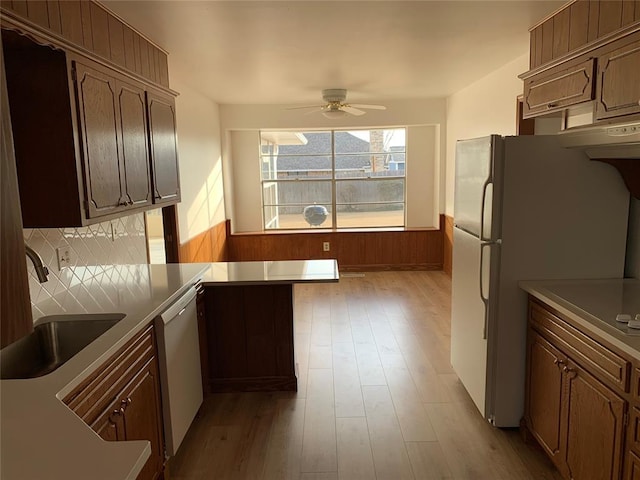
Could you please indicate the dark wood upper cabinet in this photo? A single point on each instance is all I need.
(15, 306)
(101, 139)
(589, 50)
(164, 148)
(92, 160)
(114, 138)
(90, 25)
(135, 149)
(559, 88)
(617, 65)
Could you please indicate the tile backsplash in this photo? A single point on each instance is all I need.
(93, 251)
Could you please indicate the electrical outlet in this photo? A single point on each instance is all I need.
(64, 257)
(326, 246)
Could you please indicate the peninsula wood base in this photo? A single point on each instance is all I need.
(254, 384)
(249, 341)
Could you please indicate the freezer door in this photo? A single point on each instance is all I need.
(478, 162)
(471, 264)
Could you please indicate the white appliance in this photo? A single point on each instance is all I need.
(180, 377)
(524, 209)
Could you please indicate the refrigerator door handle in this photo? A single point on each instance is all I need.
(488, 182)
(485, 300)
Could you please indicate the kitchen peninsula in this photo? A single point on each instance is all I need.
(34, 413)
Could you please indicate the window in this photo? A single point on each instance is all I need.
(333, 179)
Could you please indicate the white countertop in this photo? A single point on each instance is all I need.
(594, 304)
(255, 273)
(42, 438)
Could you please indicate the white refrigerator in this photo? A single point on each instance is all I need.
(524, 209)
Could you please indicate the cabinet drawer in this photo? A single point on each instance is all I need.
(618, 90)
(597, 359)
(558, 88)
(90, 398)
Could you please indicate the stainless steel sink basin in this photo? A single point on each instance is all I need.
(54, 340)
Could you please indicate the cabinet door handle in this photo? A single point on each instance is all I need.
(552, 105)
(113, 418)
(559, 362)
(126, 401)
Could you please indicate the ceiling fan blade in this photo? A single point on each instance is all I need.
(353, 111)
(314, 111)
(370, 107)
(304, 106)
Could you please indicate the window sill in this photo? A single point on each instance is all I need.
(326, 231)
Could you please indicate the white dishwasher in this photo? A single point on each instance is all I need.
(180, 377)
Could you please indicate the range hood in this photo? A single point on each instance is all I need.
(610, 141)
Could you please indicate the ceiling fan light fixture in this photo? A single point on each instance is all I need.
(334, 113)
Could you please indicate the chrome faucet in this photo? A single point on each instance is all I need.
(41, 270)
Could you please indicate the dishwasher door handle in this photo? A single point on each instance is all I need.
(178, 307)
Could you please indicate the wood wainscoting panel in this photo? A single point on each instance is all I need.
(419, 249)
(208, 246)
(447, 261)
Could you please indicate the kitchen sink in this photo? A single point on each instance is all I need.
(55, 339)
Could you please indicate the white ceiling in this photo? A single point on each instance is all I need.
(273, 52)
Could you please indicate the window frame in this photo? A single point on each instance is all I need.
(333, 180)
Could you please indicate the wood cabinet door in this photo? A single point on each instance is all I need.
(558, 88)
(164, 148)
(143, 417)
(15, 306)
(135, 150)
(544, 394)
(97, 105)
(633, 467)
(618, 89)
(593, 427)
(110, 424)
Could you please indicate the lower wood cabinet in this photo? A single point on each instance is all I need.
(579, 420)
(633, 467)
(122, 400)
(592, 426)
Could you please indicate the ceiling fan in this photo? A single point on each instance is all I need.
(336, 106)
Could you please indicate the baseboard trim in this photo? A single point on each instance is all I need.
(254, 384)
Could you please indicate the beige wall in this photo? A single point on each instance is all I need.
(486, 106)
(199, 149)
(240, 161)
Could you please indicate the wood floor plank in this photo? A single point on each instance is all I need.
(284, 447)
(319, 476)
(428, 462)
(319, 442)
(412, 416)
(355, 460)
(346, 382)
(369, 366)
(320, 356)
(389, 452)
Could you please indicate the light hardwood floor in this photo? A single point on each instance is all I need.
(377, 398)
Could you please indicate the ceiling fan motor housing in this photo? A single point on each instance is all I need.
(334, 95)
